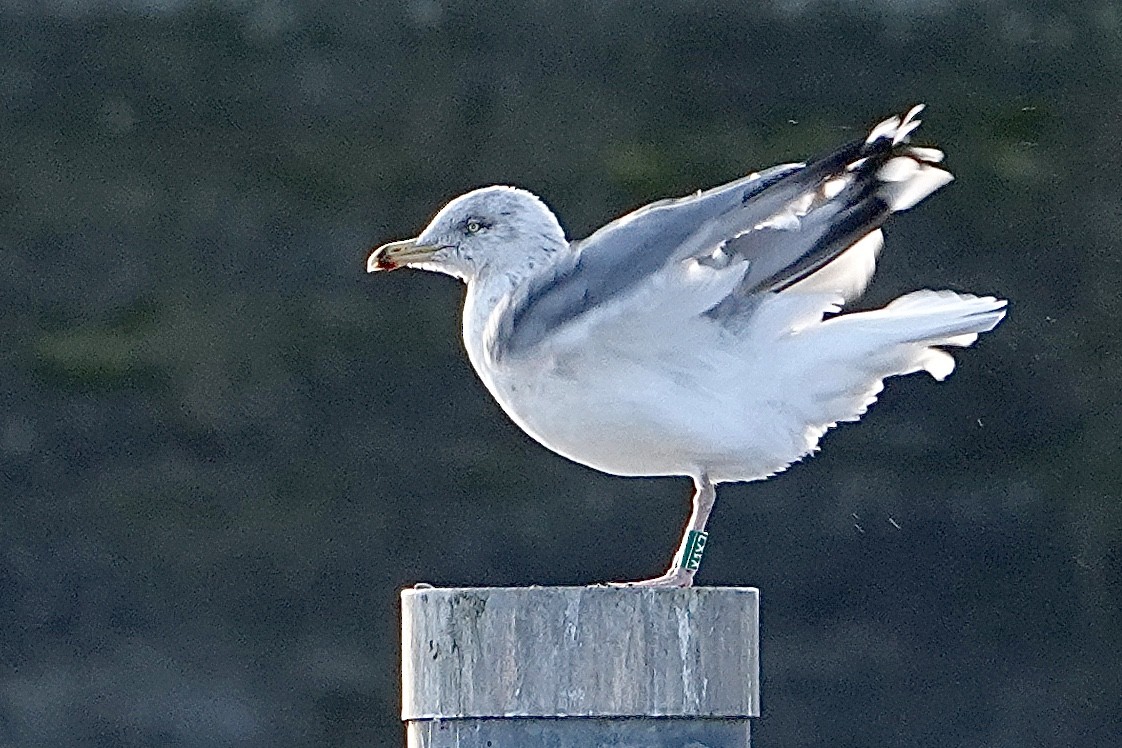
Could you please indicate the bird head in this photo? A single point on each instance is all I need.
(492, 228)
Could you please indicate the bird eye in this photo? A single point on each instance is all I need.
(473, 227)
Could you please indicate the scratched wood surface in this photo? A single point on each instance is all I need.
(552, 652)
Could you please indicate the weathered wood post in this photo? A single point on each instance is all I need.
(577, 667)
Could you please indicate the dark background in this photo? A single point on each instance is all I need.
(224, 448)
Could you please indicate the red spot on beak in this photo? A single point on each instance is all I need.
(380, 260)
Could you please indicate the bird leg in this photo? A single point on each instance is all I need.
(688, 557)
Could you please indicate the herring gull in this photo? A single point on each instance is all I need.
(700, 336)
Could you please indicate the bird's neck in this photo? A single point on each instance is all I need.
(491, 284)
(485, 292)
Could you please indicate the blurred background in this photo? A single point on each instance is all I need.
(224, 448)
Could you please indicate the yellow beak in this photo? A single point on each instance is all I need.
(398, 254)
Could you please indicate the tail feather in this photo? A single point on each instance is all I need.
(818, 373)
(862, 349)
(910, 332)
(943, 317)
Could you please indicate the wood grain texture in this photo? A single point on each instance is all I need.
(579, 732)
(580, 652)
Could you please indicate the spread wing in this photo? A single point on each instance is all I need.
(712, 252)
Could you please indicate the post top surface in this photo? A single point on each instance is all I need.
(422, 588)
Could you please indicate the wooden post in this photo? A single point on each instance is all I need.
(573, 667)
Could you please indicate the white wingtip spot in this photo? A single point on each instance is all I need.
(904, 132)
(831, 188)
(898, 169)
(885, 129)
(905, 194)
(856, 164)
(930, 155)
(908, 125)
(897, 128)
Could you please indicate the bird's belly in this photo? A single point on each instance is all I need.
(626, 423)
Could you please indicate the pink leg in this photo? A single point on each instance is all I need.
(682, 569)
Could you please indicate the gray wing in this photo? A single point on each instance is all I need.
(786, 222)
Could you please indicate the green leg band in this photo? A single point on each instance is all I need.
(695, 546)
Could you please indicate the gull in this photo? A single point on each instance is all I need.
(701, 336)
